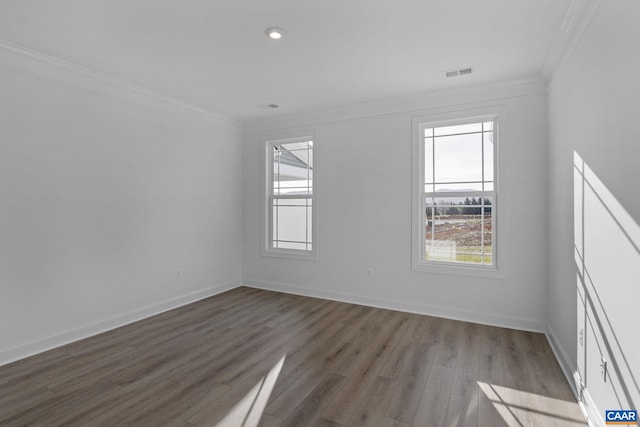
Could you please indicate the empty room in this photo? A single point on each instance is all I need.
(319, 213)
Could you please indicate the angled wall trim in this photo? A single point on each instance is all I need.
(575, 23)
(40, 64)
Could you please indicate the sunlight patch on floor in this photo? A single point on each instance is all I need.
(248, 411)
(521, 408)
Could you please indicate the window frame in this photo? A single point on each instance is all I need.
(268, 142)
(419, 124)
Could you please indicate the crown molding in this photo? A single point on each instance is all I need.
(574, 24)
(59, 70)
(420, 102)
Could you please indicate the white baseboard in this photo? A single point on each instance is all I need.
(20, 351)
(570, 371)
(522, 323)
(591, 412)
(568, 368)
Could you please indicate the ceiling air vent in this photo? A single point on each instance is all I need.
(459, 72)
(269, 106)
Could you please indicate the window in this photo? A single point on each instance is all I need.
(290, 197)
(456, 193)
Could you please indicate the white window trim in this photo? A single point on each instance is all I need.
(267, 143)
(496, 114)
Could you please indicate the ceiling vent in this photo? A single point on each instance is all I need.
(459, 72)
(269, 106)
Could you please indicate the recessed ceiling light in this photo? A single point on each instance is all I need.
(274, 33)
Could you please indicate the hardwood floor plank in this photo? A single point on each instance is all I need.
(462, 412)
(53, 404)
(312, 406)
(269, 421)
(451, 342)
(15, 402)
(185, 401)
(346, 402)
(311, 348)
(406, 399)
(33, 369)
(467, 370)
(434, 403)
(284, 404)
(252, 357)
(516, 369)
(369, 355)
(491, 368)
(118, 400)
(230, 408)
(374, 402)
(491, 339)
(402, 352)
(388, 422)
(493, 413)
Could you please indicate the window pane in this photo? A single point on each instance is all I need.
(458, 158)
(290, 220)
(290, 245)
(460, 231)
(299, 152)
(428, 160)
(453, 130)
(488, 156)
(309, 226)
(488, 236)
(467, 186)
(299, 145)
(276, 169)
(428, 227)
(292, 168)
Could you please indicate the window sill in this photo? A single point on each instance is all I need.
(489, 272)
(294, 255)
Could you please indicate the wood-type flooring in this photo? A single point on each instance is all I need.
(252, 357)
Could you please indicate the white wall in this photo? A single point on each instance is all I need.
(101, 200)
(363, 178)
(594, 110)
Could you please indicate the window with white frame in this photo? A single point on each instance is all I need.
(290, 197)
(457, 193)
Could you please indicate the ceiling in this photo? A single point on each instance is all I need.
(214, 54)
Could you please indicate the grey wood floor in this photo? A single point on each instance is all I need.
(253, 357)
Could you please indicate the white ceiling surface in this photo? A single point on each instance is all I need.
(214, 54)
